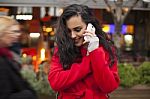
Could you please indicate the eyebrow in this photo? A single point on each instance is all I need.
(77, 27)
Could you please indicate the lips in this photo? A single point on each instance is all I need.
(76, 40)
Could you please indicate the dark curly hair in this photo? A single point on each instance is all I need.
(67, 51)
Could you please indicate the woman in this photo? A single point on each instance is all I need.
(12, 85)
(82, 69)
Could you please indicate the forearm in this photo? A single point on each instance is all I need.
(60, 79)
(106, 78)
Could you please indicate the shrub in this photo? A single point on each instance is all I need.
(39, 81)
(128, 75)
(144, 71)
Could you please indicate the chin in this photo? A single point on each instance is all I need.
(79, 43)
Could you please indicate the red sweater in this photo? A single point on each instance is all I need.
(90, 79)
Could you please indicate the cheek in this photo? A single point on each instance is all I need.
(80, 34)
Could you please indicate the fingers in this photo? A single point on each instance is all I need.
(87, 31)
(84, 42)
(88, 34)
(92, 34)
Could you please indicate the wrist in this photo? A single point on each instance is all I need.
(93, 44)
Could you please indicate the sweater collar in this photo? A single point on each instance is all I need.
(5, 52)
(83, 51)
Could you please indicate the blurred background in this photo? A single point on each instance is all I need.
(127, 23)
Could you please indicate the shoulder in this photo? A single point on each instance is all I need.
(100, 51)
(55, 54)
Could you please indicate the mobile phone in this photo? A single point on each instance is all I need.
(89, 28)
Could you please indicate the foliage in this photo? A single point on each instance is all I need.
(26, 60)
(38, 81)
(128, 75)
(144, 71)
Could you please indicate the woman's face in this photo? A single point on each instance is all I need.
(76, 29)
(10, 36)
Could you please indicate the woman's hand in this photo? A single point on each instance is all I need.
(92, 39)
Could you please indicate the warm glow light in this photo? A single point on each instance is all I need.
(106, 28)
(4, 10)
(24, 55)
(34, 35)
(128, 39)
(48, 29)
(130, 29)
(61, 11)
(24, 17)
(110, 28)
(52, 33)
(34, 58)
(126, 9)
(42, 54)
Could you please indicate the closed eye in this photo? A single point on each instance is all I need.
(77, 29)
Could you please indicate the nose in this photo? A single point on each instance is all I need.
(73, 35)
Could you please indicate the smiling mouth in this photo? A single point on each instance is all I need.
(76, 40)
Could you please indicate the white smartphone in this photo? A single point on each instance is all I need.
(89, 28)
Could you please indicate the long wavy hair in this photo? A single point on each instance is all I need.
(67, 51)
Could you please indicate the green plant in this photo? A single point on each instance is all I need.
(38, 81)
(128, 75)
(144, 71)
(26, 60)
